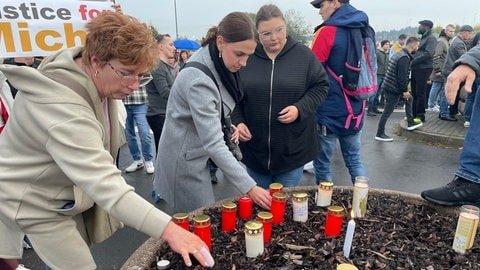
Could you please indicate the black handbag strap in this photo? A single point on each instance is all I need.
(209, 73)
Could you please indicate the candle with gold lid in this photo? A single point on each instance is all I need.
(324, 194)
(300, 206)
(275, 187)
(201, 227)
(333, 221)
(279, 202)
(181, 219)
(346, 266)
(254, 238)
(229, 216)
(266, 219)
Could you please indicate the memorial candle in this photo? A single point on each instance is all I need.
(347, 245)
(201, 227)
(279, 202)
(324, 194)
(300, 206)
(266, 219)
(245, 205)
(466, 228)
(229, 216)
(333, 221)
(275, 187)
(254, 238)
(360, 195)
(181, 219)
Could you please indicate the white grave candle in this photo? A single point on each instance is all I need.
(347, 245)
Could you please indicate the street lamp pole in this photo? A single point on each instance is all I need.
(176, 22)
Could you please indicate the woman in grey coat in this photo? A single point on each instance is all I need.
(192, 132)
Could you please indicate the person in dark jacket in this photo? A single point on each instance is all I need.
(458, 47)
(422, 67)
(284, 84)
(336, 121)
(465, 186)
(382, 64)
(441, 50)
(158, 89)
(395, 87)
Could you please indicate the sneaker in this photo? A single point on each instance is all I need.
(377, 111)
(417, 120)
(466, 124)
(457, 192)
(149, 167)
(413, 126)
(448, 118)
(156, 197)
(371, 114)
(383, 137)
(136, 164)
(21, 267)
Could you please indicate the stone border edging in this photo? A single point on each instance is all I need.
(429, 137)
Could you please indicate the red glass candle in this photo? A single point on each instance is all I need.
(266, 218)
(181, 219)
(333, 222)
(245, 205)
(279, 202)
(275, 187)
(201, 227)
(229, 216)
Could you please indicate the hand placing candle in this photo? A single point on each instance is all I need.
(347, 245)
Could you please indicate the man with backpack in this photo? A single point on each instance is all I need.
(341, 115)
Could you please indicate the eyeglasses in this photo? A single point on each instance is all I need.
(268, 34)
(127, 79)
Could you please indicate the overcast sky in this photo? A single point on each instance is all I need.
(196, 16)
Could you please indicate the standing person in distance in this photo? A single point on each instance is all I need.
(395, 87)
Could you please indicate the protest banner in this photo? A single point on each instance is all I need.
(42, 27)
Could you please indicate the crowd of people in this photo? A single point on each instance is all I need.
(250, 89)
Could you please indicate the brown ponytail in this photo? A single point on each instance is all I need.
(235, 27)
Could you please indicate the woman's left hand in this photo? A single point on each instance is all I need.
(235, 134)
(288, 115)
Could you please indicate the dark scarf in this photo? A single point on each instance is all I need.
(230, 80)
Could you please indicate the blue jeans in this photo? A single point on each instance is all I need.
(137, 115)
(467, 114)
(287, 179)
(444, 112)
(350, 147)
(437, 87)
(470, 157)
(373, 100)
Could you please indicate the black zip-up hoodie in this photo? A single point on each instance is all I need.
(296, 78)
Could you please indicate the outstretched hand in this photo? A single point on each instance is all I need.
(185, 243)
(261, 197)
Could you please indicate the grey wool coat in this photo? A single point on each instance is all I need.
(191, 135)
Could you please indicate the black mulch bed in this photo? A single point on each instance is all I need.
(396, 234)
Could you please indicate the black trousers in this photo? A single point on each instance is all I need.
(156, 124)
(391, 100)
(419, 91)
